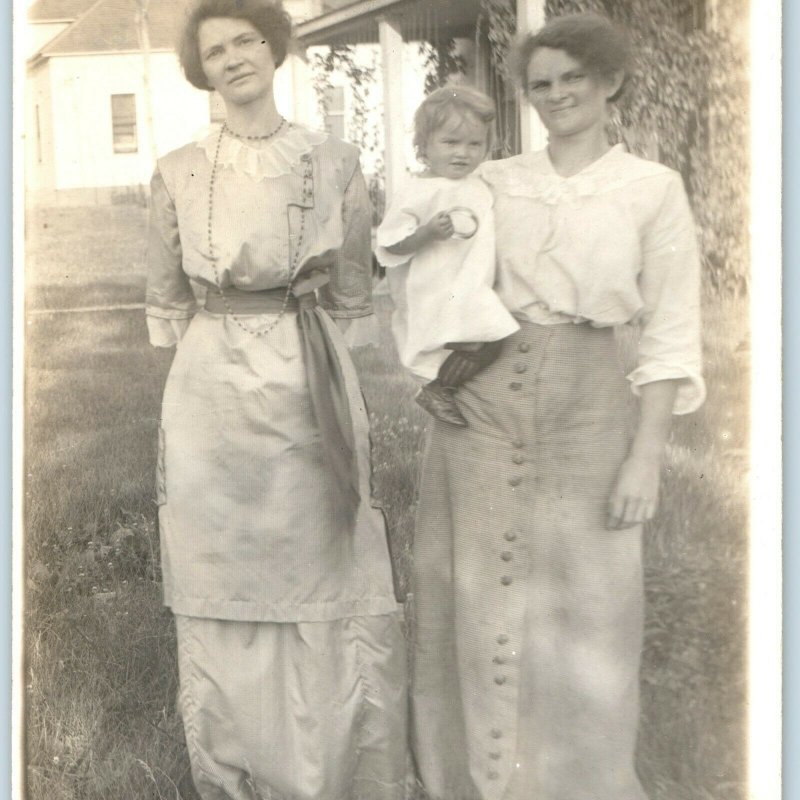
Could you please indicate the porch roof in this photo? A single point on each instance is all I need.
(357, 23)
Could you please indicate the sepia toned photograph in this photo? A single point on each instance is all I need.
(386, 400)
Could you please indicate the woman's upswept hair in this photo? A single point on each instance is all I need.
(596, 42)
(437, 107)
(268, 18)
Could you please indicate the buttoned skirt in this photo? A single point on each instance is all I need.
(528, 611)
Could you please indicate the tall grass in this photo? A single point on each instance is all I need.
(100, 659)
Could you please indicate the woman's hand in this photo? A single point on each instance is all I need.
(440, 226)
(635, 497)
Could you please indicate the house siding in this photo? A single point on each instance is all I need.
(74, 92)
(39, 146)
(81, 98)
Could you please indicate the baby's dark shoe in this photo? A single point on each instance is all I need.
(439, 402)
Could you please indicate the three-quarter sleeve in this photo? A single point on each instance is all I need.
(170, 302)
(399, 222)
(669, 283)
(348, 294)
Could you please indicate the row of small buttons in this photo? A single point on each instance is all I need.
(496, 733)
(517, 458)
(507, 556)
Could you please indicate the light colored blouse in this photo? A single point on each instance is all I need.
(613, 244)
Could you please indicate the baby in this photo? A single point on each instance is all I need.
(437, 243)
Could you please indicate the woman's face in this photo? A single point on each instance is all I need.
(568, 98)
(236, 58)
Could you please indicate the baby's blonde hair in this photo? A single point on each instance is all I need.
(437, 107)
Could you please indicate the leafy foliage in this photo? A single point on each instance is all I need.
(498, 18)
(361, 79)
(442, 61)
(496, 27)
(363, 128)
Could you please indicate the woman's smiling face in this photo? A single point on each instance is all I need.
(569, 98)
(236, 58)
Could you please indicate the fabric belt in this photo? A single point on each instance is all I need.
(326, 382)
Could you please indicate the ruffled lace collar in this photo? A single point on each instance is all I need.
(276, 157)
(597, 167)
(533, 176)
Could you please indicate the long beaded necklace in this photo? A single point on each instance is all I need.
(307, 191)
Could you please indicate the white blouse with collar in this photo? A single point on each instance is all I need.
(613, 244)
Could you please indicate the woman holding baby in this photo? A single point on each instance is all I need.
(527, 556)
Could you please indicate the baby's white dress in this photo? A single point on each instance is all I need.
(443, 293)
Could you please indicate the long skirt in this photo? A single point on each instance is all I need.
(529, 611)
(303, 711)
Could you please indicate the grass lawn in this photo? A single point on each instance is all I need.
(100, 661)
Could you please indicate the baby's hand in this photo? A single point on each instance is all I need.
(440, 226)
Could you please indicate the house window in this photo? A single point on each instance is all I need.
(123, 123)
(334, 116)
(216, 108)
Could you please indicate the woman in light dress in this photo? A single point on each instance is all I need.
(275, 564)
(527, 555)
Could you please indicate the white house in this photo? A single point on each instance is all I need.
(90, 131)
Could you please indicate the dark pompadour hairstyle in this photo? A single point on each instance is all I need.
(594, 41)
(268, 18)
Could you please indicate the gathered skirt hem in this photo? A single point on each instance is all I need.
(306, 711)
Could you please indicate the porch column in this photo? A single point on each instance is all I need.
(303, 97)
(391, 41)
(530, 16)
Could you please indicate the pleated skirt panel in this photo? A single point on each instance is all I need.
(529, 612)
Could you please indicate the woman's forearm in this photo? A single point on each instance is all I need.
(657, 401)
(634, 498)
